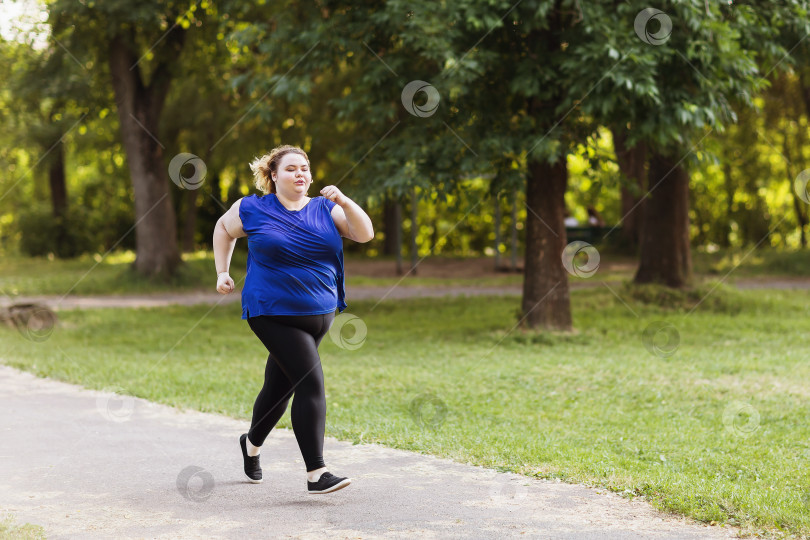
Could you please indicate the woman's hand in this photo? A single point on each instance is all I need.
(224, 283)
(334, 194)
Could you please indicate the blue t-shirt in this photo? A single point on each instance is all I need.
(295, 258)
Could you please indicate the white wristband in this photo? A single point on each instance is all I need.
(220, 273)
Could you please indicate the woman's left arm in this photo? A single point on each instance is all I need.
(351, 221)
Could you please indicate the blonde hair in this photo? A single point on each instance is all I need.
(264, 167)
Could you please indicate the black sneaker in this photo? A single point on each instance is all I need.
(252, 468)
(327, 484)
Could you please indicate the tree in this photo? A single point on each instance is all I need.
(51, 91)
(672, 84)
(428, 149)
(518, 81)
(140, 47)
(633, 166)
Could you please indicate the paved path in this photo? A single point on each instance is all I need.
(155, 300)
(93, 464)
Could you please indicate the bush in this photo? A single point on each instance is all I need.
(42, 233)
(712, 296)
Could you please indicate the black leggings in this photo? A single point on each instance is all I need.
(292, 366)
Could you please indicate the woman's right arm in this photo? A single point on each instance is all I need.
(227, 230)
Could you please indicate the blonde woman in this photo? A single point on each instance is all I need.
(293, 285)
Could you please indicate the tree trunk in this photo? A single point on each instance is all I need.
(514, 242)
(804, 87)
(56, 178)
(190, 221)
(234, 193)
(139, 109)
(434, 235)
(683, 225)
(414, 230)
(396, 231)
(497, 226)
(546, 301)
(57, 182)
(632, 164)
(801, 218)
(391, 221)
(665, 254)
(398, 237)
(728, 182)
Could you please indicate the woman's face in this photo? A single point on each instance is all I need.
(293, 176)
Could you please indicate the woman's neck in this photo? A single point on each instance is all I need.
(293, 204)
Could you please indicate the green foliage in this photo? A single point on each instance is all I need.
(43, 234)
(518, 79)
(530, 81)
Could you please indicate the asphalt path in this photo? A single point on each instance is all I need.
(99, 464)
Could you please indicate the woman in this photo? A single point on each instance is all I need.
(293, 285)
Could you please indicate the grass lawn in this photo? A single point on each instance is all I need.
(717, 431)
(108, 275)
(112, 275)
(10, 530)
